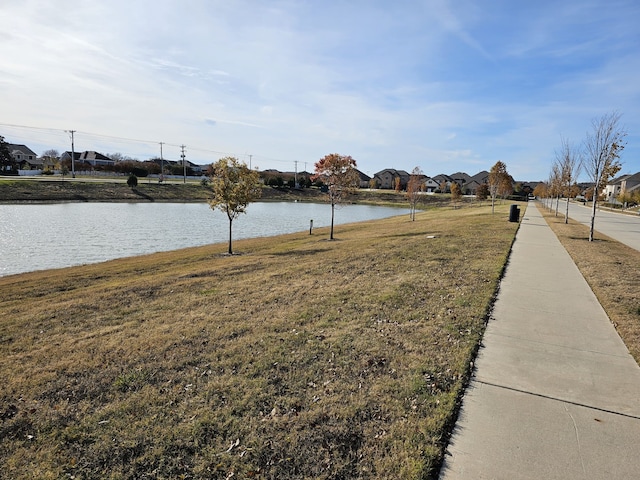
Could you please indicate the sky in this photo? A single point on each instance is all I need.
(444, 86)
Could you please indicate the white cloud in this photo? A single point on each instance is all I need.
(433, 82)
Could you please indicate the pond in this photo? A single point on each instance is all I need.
(38, 237)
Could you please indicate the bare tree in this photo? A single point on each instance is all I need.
(555, 186)
(414, 187)
(569, 163)
(603, 147)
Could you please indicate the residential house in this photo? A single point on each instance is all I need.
(613, 188)
(444, 182)
(66, 156)
(474, 182)
(88, 157)
(623, 184)
(195, 168)
(631, 183)
(387, 178)
(31, 164)
(430, 185)
(96, 159)
(365, 180)
(22, 156)
(462, 179)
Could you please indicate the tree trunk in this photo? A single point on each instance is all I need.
(593, 217)
(230, 249)
(493, 204)
(566, 212)
(332, 210)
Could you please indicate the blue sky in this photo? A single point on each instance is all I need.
(442, 85)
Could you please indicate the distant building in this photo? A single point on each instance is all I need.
(364, 179)
(623, 183)
(387, 178)
(20, 153)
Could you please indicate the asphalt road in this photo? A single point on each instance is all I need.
(621, 227)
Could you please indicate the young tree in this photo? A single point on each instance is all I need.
(482, 192)
(234, 186)
(540, 191)
(414, 187)
(569, 164)
(338, 173)
(498, 177)
(456, 193)
(554, 186)
(603, 147)
(506, 186)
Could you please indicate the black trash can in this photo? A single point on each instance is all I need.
(514, 213)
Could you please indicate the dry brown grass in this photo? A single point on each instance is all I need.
(611, 269)
(299, 358)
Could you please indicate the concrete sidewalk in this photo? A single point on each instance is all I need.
(556, 394)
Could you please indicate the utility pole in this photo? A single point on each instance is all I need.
(184, 165)
(250, 156)
(161, 163)
(73, 156)
(295, 174)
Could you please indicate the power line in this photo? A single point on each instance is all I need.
(147, 142)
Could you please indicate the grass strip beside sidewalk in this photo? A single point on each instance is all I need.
(612, 271)
(299, 358)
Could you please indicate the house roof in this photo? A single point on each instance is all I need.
(392, 171)
(91, 155)
(67, 154)
(363, 176)
(481, 177)
(442, 177)
(35, 161)
(460, 176)
(21, 149)
(618, 180)
(633, 178)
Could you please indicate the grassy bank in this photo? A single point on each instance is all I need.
(83, 190)
(91, 190)
(611, 269)
(299, 358)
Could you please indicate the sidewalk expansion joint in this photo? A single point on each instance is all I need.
(558, 345)
(540, 395)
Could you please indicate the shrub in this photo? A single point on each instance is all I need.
(132, 181)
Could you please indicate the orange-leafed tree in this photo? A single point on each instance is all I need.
(498, 179)
(482, 192)
(456, 193)
(338, 173)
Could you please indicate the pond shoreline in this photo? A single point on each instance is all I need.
(19, 191)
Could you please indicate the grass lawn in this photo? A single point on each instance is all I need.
(298, 358)
(612, 271)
